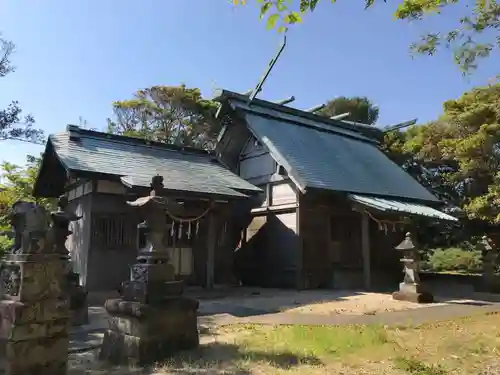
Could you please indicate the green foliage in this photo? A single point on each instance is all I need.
(169, 114)
(12, 123)
(361, 109)
(455, 259)
(458, 155)
(17, 184)
(480, 22)
(5, 244)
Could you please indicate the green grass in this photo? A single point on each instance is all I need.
(317, 341)
(460, 346)
(466, 346)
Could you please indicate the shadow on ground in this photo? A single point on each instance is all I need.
(247, 302)
(214, 359)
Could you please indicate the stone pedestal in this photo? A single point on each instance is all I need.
(413, 293)
(152, 320)
(411, 289)
(35, 316)
(143, 334)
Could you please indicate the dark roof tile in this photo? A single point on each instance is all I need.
(316, 155)
(136, 162)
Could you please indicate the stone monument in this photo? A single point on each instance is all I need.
(34, 304)
(77, 295)
(411, 289)
(152, 320)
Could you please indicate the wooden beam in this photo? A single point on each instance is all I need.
(300, 276)
(211, 246)
(286, 101)
(340, 116)
(316, 108)
(258, 88)
(365, 248)
(400, 125)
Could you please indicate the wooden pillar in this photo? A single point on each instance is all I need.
(365, 248)
(300, 277)
(211, 245)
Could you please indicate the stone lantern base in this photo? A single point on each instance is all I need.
(142, 334)
(79, 313)
(412, 293)
(34, 330)
(78, 306)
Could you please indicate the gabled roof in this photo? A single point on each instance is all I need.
(321, 153)
(135, 161)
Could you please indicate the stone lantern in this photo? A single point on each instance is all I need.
(411, 289)
(490, 280)
(152, 320)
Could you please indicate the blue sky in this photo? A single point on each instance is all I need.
(74, 58)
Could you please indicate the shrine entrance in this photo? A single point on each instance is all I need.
(197, 236)
(184, 237)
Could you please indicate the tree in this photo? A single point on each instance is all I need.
(12, 124)
(17, 184)
(457, 157)
(460, 152)
(361, 109)
(480, 22)
(169, 114)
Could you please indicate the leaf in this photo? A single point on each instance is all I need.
(369, 3)
(265, 8)
(305, 5)
(314, 3)
(272, 20)
(282, 29)
(480, 21)
(280, 5)
(292, 18)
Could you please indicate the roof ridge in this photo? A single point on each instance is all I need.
(332, 123)
(316, 127)
(77, 131)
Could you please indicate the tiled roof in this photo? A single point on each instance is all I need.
(319, 155)
(390, 205)
(136, 162)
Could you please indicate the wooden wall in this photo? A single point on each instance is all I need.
(112, 242)
(323, 250)
(269, 256)
(256, 165)
(78, 242)
(104, 243)
(269, 251)
(332, 247)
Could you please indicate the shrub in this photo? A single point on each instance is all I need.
(5, 244)
(455, 259)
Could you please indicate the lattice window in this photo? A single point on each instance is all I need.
(113, 231)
